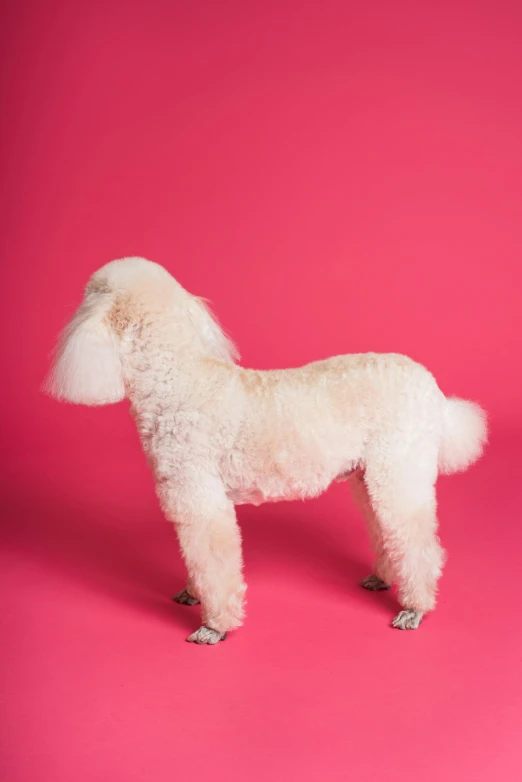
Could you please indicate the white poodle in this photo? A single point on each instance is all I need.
(217, 435)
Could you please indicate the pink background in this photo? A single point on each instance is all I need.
(335, 177)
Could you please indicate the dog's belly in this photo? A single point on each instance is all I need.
(248, 497)
(258, 496)
(348, 473)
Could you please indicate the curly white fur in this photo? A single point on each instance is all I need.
(217, 435)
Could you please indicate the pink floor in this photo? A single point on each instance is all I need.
(335, 177)
(316, 686)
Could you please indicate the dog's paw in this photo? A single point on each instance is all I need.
(184, 598)
(206, 635)
(374, 583)
(409, 619)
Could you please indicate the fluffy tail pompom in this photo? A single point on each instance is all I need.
(464, 435)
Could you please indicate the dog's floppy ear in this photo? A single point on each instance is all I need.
(87, 367)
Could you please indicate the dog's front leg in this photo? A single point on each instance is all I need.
(210, 540)
(211, 547)
(187, 596)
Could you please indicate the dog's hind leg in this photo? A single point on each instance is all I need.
(402, 494)
(382, 575)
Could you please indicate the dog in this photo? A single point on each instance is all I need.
(217, 435)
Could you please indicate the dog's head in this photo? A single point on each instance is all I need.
(127, 302)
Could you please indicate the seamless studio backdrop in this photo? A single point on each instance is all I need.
(335, 177)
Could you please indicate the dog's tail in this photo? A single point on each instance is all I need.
(87, 368)
(464, 435)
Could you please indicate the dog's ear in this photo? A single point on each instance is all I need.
(214, 339)
(87, 366)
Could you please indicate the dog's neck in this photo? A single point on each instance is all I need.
(160, 358)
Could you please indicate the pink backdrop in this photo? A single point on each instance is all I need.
(335, 177)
